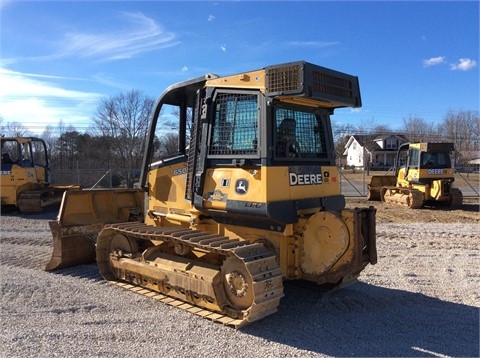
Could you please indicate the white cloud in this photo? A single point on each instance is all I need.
(15, 84)
(223, 48)
(4, 3)
(211, 18)
(143, 34)
(433, 61)
(139, 34)
(314, 44)
(464, 64)
(184, 69)
(36, 101)
(108, 80)
(35, 114)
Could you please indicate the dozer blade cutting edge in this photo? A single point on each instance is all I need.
(82, 215)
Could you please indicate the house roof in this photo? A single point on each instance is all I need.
(373, 139)
(388, 135)
(363, 139)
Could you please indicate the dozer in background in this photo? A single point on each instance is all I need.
(25, 176)
(422, 175)
(251, 198)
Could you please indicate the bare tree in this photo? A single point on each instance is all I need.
(48, 137)
(341, 134)
(16, 129)
(168, 144)
(371, 127)
(125, 119)
(416, 129)
(462, 128)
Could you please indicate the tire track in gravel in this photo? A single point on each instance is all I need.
(463, 230)
(34, 257)
(418, 295)
(27, 238)
(27, 255)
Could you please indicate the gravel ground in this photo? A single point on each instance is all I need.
(421, 299)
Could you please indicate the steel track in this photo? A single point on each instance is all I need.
(258, 260)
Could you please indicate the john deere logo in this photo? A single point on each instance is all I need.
(305, 179)
(241, 186)
(306, 176)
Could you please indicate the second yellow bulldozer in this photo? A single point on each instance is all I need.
(251, 198)
(422, 175)
(25, 185)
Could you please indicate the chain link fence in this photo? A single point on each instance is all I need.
(96, 178)
(353, 182)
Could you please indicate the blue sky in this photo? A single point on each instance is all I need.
(59, 58)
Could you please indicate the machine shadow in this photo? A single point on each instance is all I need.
(360, 320)
(364, 320)
(471, 207)
(86, 271)
(48, 213)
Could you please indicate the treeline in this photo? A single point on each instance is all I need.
(459, 127)
(115, 142)
(116, 138)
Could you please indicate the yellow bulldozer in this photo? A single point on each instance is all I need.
(25, 183)
(251, 198)
(422, 175)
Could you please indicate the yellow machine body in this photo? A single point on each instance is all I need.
(24, 176)
(252, 200)
(424, 176)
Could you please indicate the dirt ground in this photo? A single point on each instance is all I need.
(355, 183)
(420, 299)
(387, 213)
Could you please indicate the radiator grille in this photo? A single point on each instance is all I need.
(285, 79)
(326, 84)
(332, 88)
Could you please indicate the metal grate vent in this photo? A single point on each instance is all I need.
(302, 79)
(323, 83)
(285, 79)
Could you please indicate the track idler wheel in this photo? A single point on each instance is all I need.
(113, 247)
(238, 283)
(456, 198)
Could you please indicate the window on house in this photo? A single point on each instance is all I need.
(391, 143)
(354, 146)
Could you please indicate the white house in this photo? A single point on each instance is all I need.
(378, 151)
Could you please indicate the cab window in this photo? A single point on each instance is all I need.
(299, 134)
(235, 125)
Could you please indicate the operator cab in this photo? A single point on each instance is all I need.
(257, 144)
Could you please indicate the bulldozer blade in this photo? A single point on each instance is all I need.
(373, 194)
(377, 183)
(82, 215)
(69, 249)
